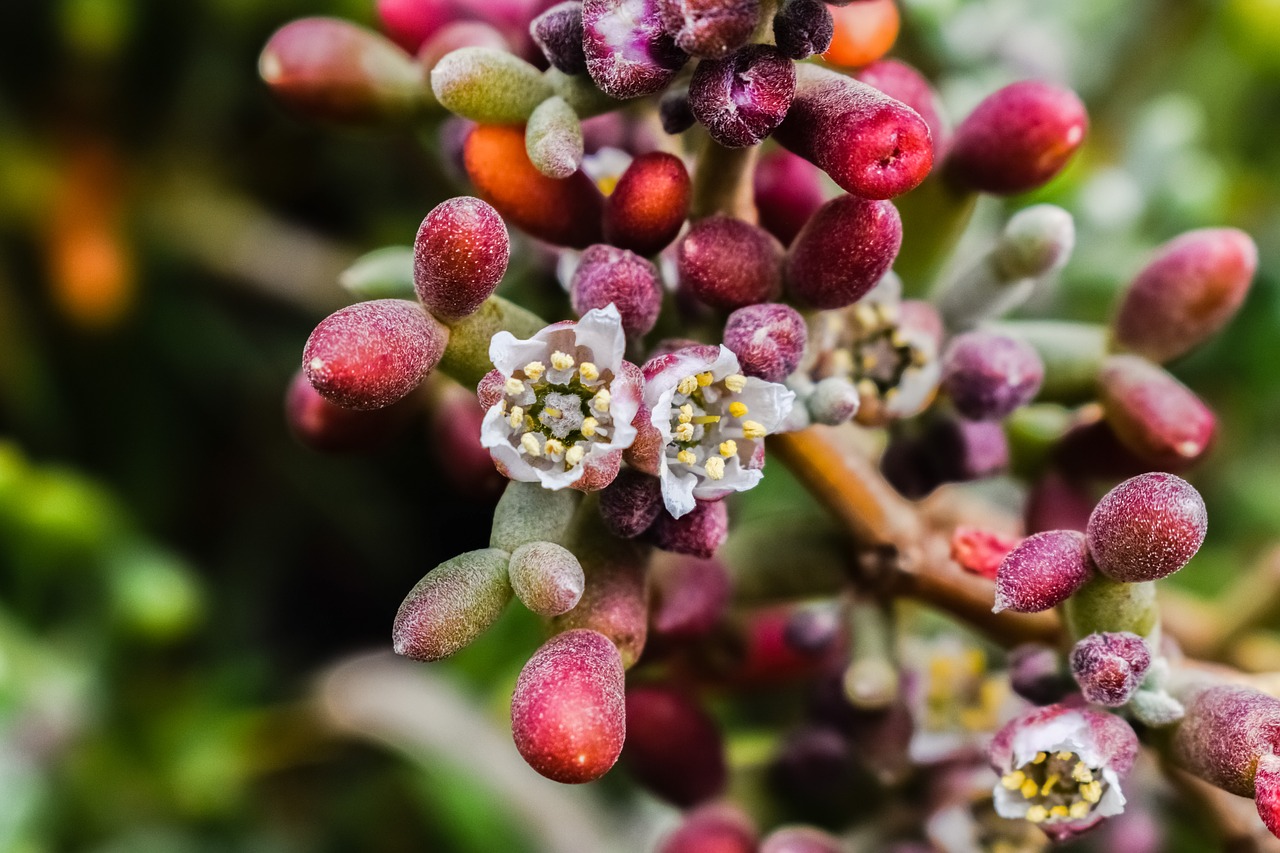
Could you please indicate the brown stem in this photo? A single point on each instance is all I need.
(722, 182)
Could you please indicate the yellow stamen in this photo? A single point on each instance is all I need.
(534, 370)
(588, 371)
(868, 361)
(514, 386)
(687, 457)
(530, 444)
(704, 379)
(735, 382)
(715, 467)
(866, 316)
(683, 432)
(753, 429)
(1041, 758)
(561, 360)
(600, 402)
(608, 184)
(867, 389)
(552, 412)
(1029, 789)
(1013, 780)
(1091, 791)
(686, 413)
(1059, 811)
(1079, 809)
(687, 385)
(589, 427)
(553, 447)
(707, 419)
(1053, 779)
(517, 417)
(574, 455)
(728, 448)
(1064, 756)
(1081, 773)
(737, 409)
(1037, 814)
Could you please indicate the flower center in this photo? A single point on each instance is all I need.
(706, 420)
(1057, 786)
(880, 354)
(556, 412)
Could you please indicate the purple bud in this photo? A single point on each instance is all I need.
(558, 34)
(800, 839)
(628, 51)
(814, 630)
(630, 504)
(674, 111)
(546, 577)
(1153, 414)
(1187, 293)
(673, 746)
(1042, 571)
(768, 339)
(452, 605)
(718, 828)
(692, 596)
(988, 375)
(1036, 675)
(697, 533)
(710, 29)
(1147, 528)
(846, 247)
(728, 263)
(903, 83)
(870, 144)
(1057, 503)
(814, 764)
(650, 203)
(371, 354)
(803, 28)
(964, 451)
(607, 275)
(459, 257)
(742, 98)
(1110, 666)
(788, 190)
(1017, 139)
(1225, 732)
(615, 602)
(568, 713)
(329, 428)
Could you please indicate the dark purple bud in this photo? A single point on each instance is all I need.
(630, 504)
(1154, 415)
(453, 604)
(329, 428)
(814, 630)
(673, 746)
(568, 712)
(800, 839)
(1147, 528)
(615, 602)
(870, 145)
(846, 247)
(371, 354)
(674, 111)
(629, 53)
(546, 577)
(1017, 139)
(1035, 674)
(698, 533)
(607, 275)
(728, 263)
(692, 596)
(988, 375)
(650, 203)
(1042, 571)
(1187, 293)
(558, 34)
(950, 450)
(788, 190)
(768, 339)
(742, 98)
(459, 257)
(803, 28)
(903, 83)
(710, 29)
(1109, 667)
(718, 828)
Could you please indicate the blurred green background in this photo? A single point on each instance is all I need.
(176, 572)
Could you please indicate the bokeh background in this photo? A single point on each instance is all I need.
(181, 583)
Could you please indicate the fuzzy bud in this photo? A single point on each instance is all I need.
(742, 98)
(1153, 414)
(459, 257)
(692, 596)
(453, 604)
(768, 339)
(697, 533)
(629, 52)
(650, 203)
(803, 28)
(988, 375)
(568, 712)
(903, 83)
(788, 190)
(1109, 667)
(489, 86)
(527, 513)
(553, 139)
(709, 29)
(609, 275)
(674, 747)
(630, 504)
(546, 577)
(674, 112)
(329, 428)
(834, 401)
(1147, 528)
(558, 34)
(456, 36)
(615, 602)
(728, 263)
(371, 354)
(846, 247)
(1042, 571)
(714, 828)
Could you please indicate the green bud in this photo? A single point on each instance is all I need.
(385, 273)
(1156, 708)
(466, 359)
(529, 513)
(456, 602)
(489, 86)
(546, 577)
(553, 139)
(580, 93)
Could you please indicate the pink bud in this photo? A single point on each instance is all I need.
(1147, 528)
(1017, 139)
(788, 190)
(629, 52)
(728, 263)
(329, 428)
(1056, 503)
(803, 28)
(1110, 666)
(650, 203)
(692, 596)
(1153, 414)
(719, 828)
(1035, 674)
(568, 712)
(800, 839)
(558, 33)
(608, 275)
(458, 35)
(1042, 571)
(768, 340)
(546, 577)
(697, 533)
(459, 257)
(988, 375)
(371, 354)
(742, 98)
(903, 83)
(980, 551)
(453, 430)
(615, 602)
(1187, 293)
(846, 247)
(870, 144)
(1224, 736)
(709, 29)
(673, 746)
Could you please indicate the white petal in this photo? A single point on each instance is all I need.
(600, 331)
(509, 354)
(677, 490)
(1112, 802)
(768, 403)
(556, 478)
(736, 479)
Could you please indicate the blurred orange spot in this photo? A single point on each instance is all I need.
(865, 31)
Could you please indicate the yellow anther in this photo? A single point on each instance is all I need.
(1041, 758)
(1064, 756)
(867, 389)
(687, 457)
(753, 429)
(683, 432)
(1029, 789)
(574, 455)
(589, 427)
(898, 340)
(588, 371)
(707, 419)
(686, 413)
(1059, 811)
(553, 412)
(513, 386)
(600, 402)
(1037, 814)
(529, 443)
(1013, 780)
(687, 385)
(866, 316)
(737, 409)
(553, 447)
(517, 417)
(1053, 779)
(1091, 791)
(868, 361)
(728, 448)
(1081, 773)
(561, 360)
(735, 382)
(534, 370)
(704, 379)
(715, 467)
(1079, 809)
(608, 184)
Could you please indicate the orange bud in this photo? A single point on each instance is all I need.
(864, 32)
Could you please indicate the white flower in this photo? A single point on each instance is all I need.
(712, 420)
(561, 403)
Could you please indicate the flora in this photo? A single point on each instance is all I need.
(761, 286)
